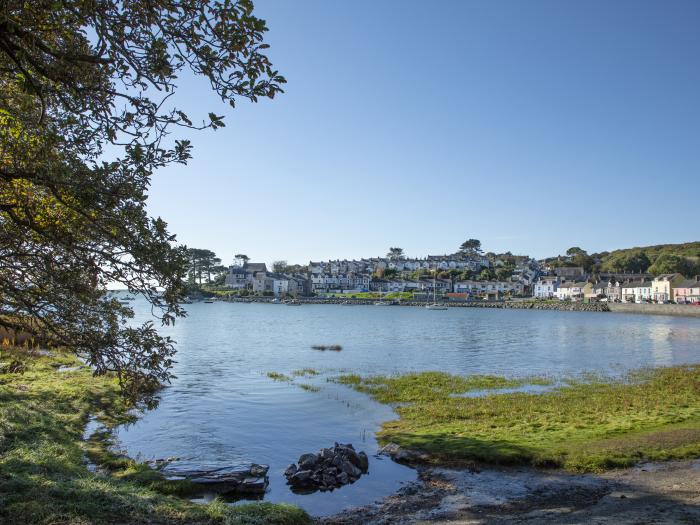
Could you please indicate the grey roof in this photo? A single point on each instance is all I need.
(689, 283)
(255, 267)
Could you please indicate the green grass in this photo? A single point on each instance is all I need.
(44, 478)
(305, 372)
(587, 425)
(423, 387)
(278, 376)
(309, 388)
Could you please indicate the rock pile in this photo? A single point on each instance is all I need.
(330, 468)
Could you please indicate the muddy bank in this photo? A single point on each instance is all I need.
(650, 493)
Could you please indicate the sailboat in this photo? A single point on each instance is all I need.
(435, 305)
(381, 301)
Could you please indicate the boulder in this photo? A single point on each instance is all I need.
(307, 461)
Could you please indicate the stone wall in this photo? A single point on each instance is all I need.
(656, 309)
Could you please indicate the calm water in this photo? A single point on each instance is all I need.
(223, 410)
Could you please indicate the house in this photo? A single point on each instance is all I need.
(545, 287)
(488, 289)
(262, 283)
(636, 292)
(571, 291)
(236, 278)
(662, 286)
(613, 291)
(687, 291)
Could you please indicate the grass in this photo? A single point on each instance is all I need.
(309, 388)
(305, 372)
(44, 477)
(278, 376)
(590, 425)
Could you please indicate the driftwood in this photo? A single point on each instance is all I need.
(252, 480)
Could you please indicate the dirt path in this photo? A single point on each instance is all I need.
(651, 493)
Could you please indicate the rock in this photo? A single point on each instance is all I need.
(301, 479)
(252, 485)
(364, 462)
(259, 471)
(343, 478)
(307, 461)
(329, 469)
(351, 470)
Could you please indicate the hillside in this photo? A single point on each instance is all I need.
(661, 258)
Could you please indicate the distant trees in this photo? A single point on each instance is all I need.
(241, 259)
(395, 254)
(627, 261)
(279, 266)
(470, 247)
(668, 263)
(201, 262)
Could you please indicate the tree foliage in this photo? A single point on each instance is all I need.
(395, 254)
(471, 247)
(85, 119)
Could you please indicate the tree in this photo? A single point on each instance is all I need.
(470, 247)
(668, 263)
(241, 259)
(85, 118)
(395, 254)
(279, 266)
(575, 251)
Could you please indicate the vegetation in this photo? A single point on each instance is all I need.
(44, 478)
(86, 117)
(583, 426)
(278, 376)
(395, 254)
(471, 247)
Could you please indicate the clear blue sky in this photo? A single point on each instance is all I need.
(533, 126)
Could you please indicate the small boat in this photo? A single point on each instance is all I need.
(209, 301)
(435, 305)
(127, 298)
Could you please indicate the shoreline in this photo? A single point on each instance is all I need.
(676, 310)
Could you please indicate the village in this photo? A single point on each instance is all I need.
(460, 277)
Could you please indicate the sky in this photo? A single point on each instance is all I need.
(532, 126)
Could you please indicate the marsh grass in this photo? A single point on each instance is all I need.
(278, 376)
(305, 372)
(309, 388)
(586, 425)
(44, 478)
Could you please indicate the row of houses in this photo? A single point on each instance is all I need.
(660, 289)
(403, 266)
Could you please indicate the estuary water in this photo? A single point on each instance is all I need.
(224, 410)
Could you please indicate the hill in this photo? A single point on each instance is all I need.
(661, 258)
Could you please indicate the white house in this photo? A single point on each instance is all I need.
(637, 292)
(545, 287)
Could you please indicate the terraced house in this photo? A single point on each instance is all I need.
(687, 291)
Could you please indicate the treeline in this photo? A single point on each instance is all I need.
(656, 260)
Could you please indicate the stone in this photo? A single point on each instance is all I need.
(326, 454)
(258, 471)
(307, 461)
(364, 462)
(290, 470)
(301, 479)
(253, 485)
(351, 470)
(343, 478)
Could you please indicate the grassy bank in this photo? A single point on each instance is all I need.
(44, 476)
(584, 426)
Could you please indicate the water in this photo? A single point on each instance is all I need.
(223, 410)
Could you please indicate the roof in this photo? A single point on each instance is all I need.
(637, 284)
(689, 283)
(255, 267)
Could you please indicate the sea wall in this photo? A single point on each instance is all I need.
(516, 305)
(656, 309)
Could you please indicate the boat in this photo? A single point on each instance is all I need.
(435, 305)
(127, 298)
(209, 301)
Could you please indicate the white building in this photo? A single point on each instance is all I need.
(545, 287)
